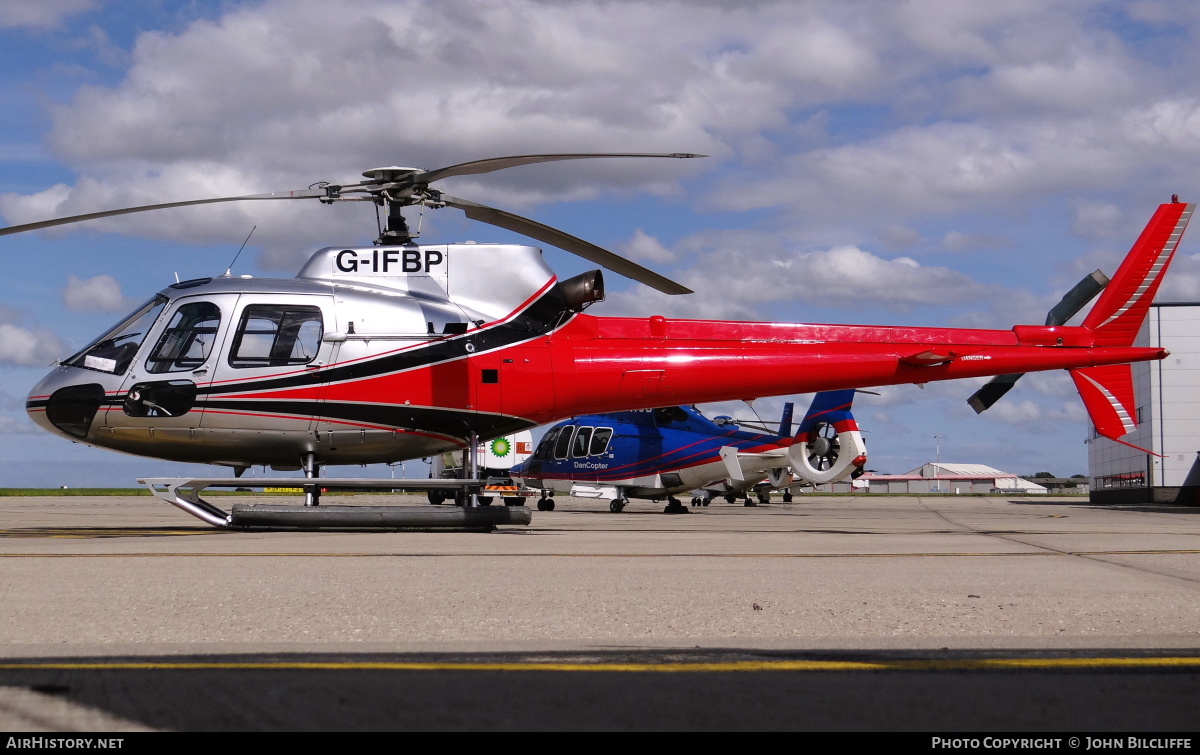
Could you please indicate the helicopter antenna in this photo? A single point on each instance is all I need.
(229, 270)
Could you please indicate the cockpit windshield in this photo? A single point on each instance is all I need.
(114, 350)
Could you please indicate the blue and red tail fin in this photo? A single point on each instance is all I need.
(1119, 313)
(785, 422)
(832, 407)
(828, 446)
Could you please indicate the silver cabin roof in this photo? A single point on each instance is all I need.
(486, 281)
(448, 282)
(236, 285)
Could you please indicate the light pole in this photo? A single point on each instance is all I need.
(937, 461)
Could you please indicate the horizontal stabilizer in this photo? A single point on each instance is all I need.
(737, 464)
(1107, 392)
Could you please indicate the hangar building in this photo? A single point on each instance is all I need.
(1168, 416)
(938, 478)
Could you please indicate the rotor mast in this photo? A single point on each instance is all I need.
(395, 188)
(395, 232)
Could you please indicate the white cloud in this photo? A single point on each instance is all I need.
(1182, 282)
(974, 33)
(1100, 220)
(735, 274)
(842, 277)
(101, 293)
(44, 14)
(35, 347)
(940, 168)
(1031, 416)
(228, 107)
(22, 346)
(1086, 83)
(646, 247)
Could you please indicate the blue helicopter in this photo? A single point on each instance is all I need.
(657, 453)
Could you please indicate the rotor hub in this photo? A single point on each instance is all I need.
(390, 173)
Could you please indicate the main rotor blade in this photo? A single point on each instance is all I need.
(500, 163)
(1082, 293)
(1073, 301)
(301, 194)
(566, 241)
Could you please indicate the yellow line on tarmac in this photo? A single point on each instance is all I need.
(517, 555)
(983, 664)
(298, 554)
(1132, 553)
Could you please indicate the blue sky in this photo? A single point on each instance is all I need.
(930, 162)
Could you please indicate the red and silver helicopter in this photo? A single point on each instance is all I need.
(398, 350)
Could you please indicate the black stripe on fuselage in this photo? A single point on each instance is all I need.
(457, 423)
(543, 316)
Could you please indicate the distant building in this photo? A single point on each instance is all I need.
(1063, 485)
(1168, 416)
(941, 478)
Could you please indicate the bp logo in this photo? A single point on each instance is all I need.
(501, 448)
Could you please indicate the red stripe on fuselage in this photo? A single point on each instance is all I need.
(697, 459)
(595, 365)
(705, 456)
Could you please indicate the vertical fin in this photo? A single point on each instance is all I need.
(832, 407)
(785, 422)
(1122, 307)
(1107, 392)
(819, 456)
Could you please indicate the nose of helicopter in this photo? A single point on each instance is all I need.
(65, 402)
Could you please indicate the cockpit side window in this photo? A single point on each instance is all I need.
(545, 448)
(579, 448)
(114, 350)
(563, 444)
(600, 440)
(188, 339)
(272, 335)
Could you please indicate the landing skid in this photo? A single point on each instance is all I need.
(184, 493)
